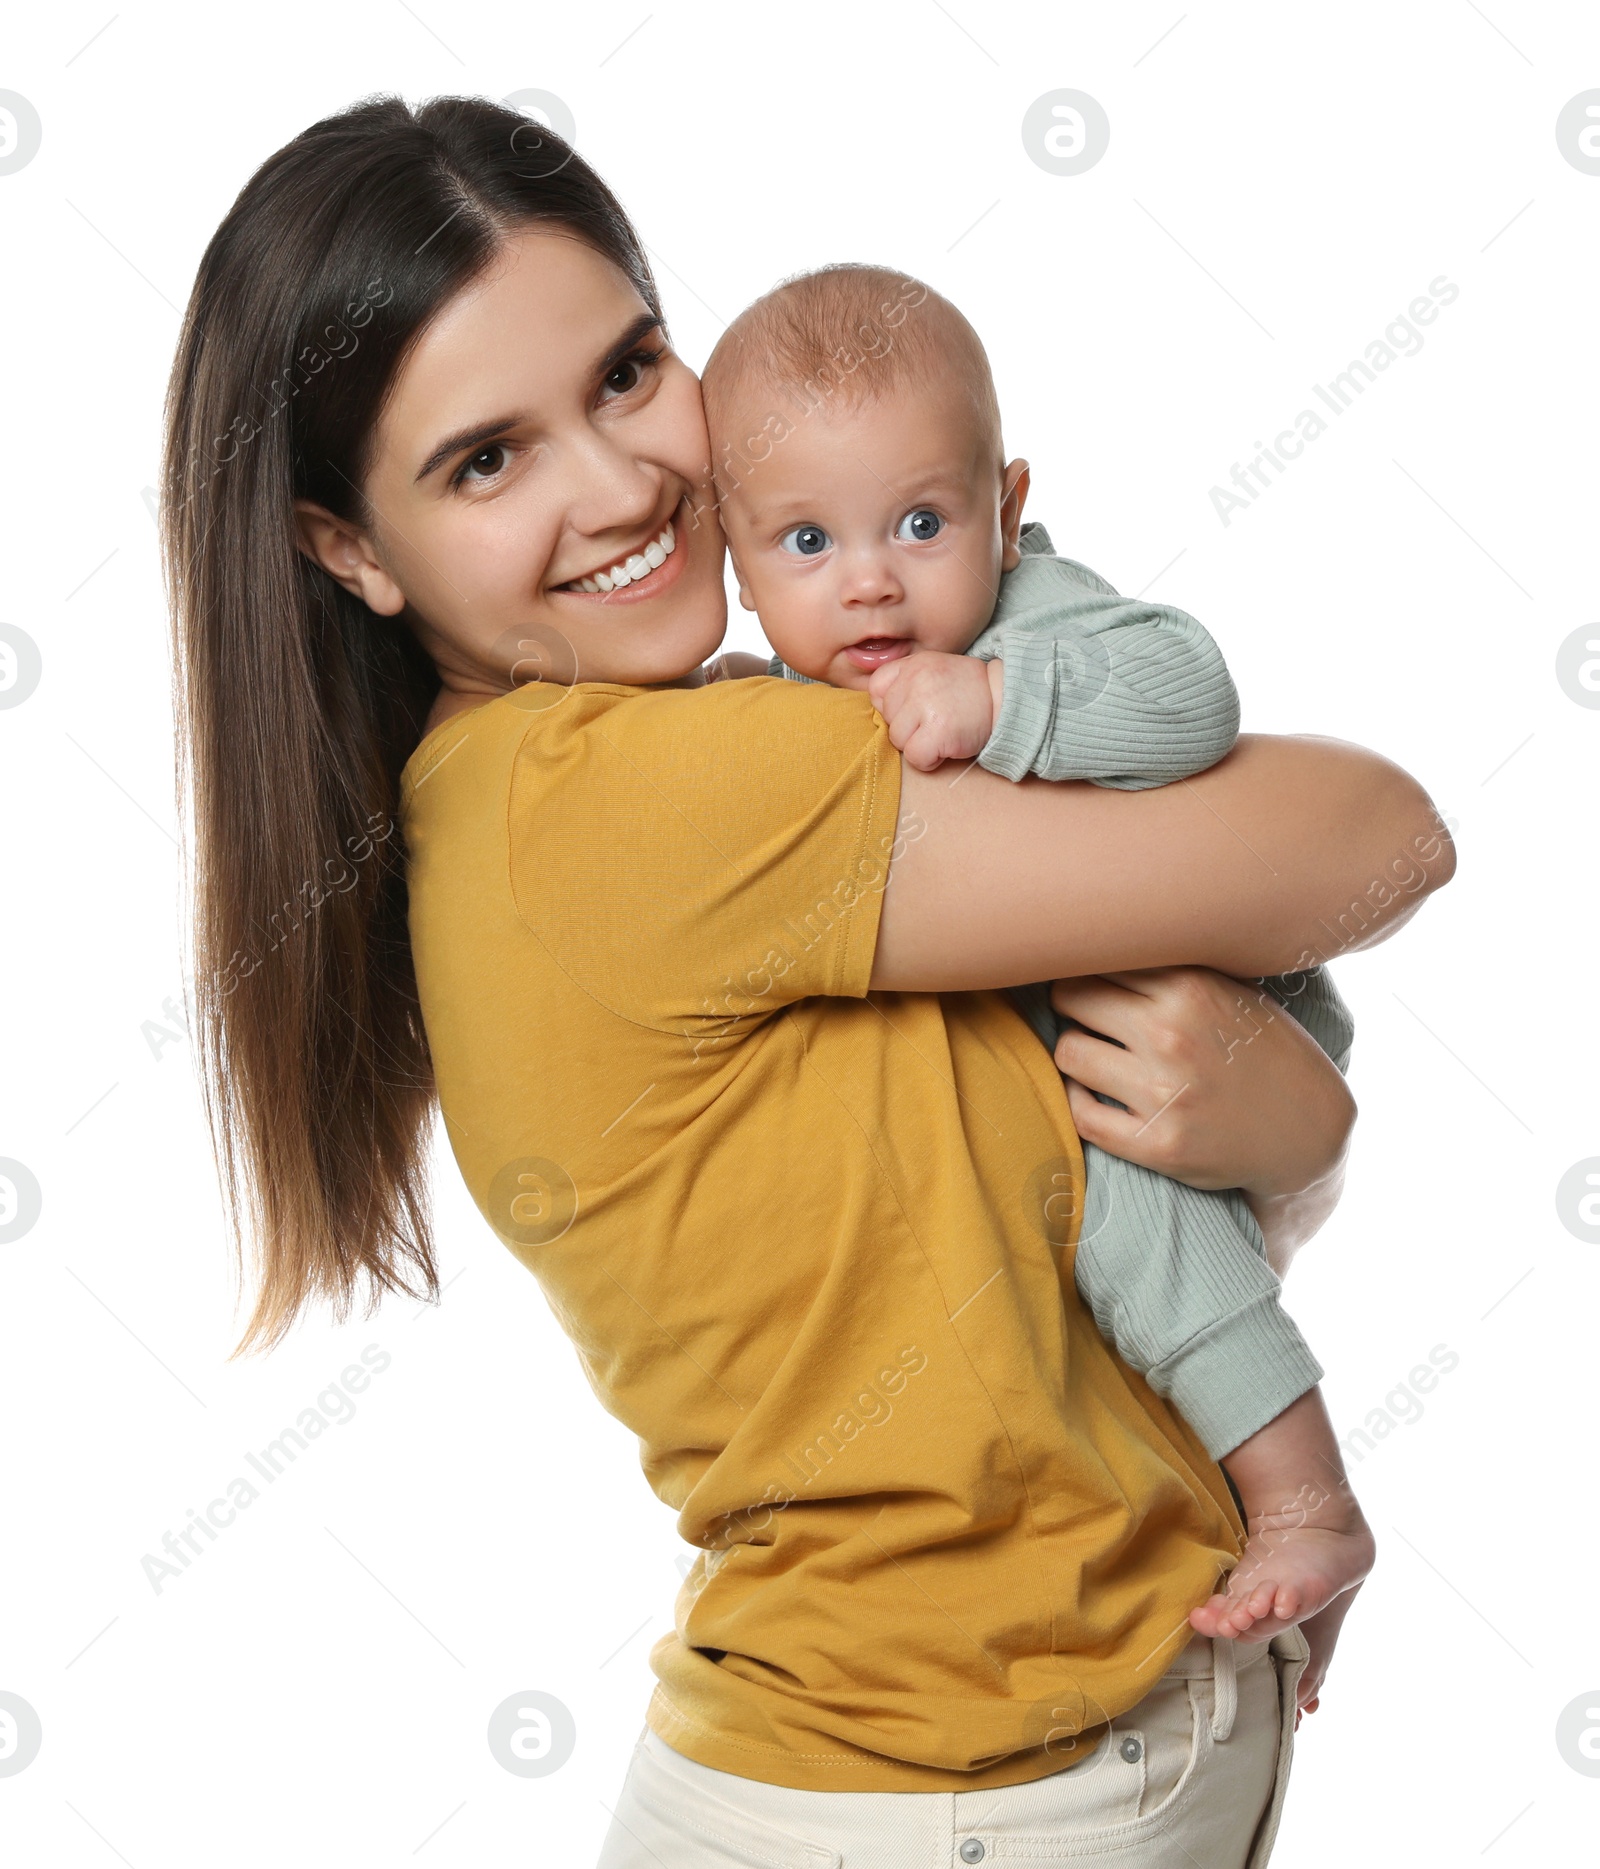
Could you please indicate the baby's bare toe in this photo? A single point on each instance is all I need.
(1289, 1602)
(1210, 1614)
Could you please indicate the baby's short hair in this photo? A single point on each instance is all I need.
(842, 335)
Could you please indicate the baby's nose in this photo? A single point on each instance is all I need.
(869, 578)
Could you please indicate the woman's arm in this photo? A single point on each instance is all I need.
(1285, 852)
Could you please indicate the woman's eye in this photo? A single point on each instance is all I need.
(485, 463)
(627, 373)
(807, 541)
(624, 376)
(922, 524)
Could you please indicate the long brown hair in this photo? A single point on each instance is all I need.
(296, 706)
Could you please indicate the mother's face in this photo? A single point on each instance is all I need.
(539, 432)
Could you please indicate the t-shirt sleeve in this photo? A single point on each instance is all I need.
(691, 856)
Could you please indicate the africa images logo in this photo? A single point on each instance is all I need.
(1400, 338)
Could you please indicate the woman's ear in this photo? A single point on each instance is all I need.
(345, 553)
(1013, 495)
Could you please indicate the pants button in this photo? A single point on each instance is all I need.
(1131, 1750)
(972, 1851)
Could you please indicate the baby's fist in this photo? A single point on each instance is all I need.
(937, 706)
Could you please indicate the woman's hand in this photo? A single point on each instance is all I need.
(1224, 1090)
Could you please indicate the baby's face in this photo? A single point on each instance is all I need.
(869, 532)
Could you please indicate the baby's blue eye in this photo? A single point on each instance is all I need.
(922, 524)
(808, 541)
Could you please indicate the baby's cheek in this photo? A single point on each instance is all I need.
(790, 624)
(955, 615)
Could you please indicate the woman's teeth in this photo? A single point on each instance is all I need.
(634, 567)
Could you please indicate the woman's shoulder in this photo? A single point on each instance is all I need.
(732, 665)
(448, 703)
(755, 727)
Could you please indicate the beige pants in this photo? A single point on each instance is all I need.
(1193, 1777)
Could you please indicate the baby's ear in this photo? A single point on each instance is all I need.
(748, 602)
(1013, 496)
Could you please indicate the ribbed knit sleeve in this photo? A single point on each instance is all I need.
(1179, 1284)
(1098, 686)
(1177, 1277)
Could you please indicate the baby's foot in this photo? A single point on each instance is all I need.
(1296, 1563)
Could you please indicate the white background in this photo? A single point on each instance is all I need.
(1280, 183)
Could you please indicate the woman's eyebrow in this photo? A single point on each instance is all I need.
(473, 437)
(642, 326)
(480, 432)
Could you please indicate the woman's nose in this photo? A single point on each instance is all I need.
(612, 489)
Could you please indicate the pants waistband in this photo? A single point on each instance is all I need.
(1198, 1660)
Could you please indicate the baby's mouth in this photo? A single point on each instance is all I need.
(873, 651)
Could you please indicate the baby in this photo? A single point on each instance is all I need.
(873, 522)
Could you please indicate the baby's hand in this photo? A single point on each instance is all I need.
(937, 706)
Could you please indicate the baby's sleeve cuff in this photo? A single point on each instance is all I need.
(1238, 1374)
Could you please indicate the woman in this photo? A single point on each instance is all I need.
(808, 1222)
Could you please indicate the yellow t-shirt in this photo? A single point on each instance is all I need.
(813, 1247)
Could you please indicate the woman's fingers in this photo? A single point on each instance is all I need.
(1094, 1000)
(1149, 982)
(1103, 1067)
(1115, 1131)
(1186, 996)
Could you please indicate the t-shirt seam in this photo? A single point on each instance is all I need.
(410, 785)
(869, 792)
